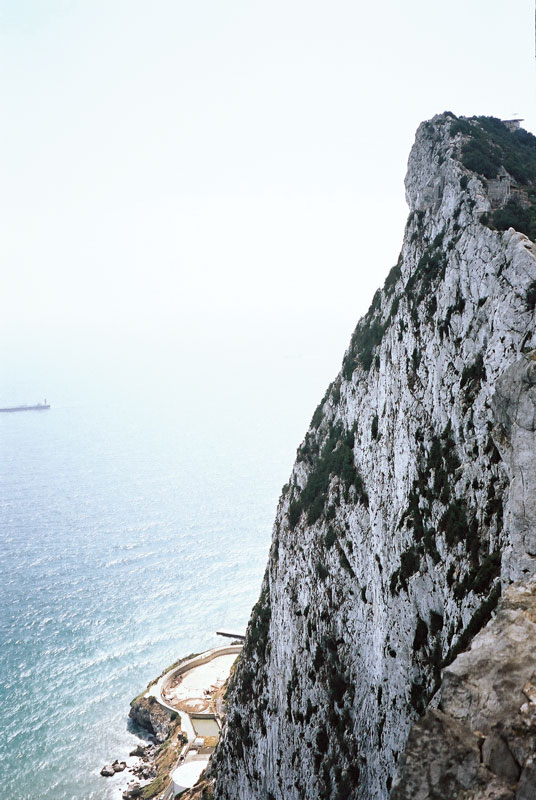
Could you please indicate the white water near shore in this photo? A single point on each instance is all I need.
(136, 520)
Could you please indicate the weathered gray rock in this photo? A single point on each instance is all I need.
(514, 405)
(496, 756)
(487, 684)
(526, 789)
(133, 792)
(151, 716)
(139, 751)
(387, 553)
(441, 758)
(486, 694)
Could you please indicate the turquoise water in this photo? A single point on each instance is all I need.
(136, 520)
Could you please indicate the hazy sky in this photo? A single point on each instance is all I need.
(173, 164)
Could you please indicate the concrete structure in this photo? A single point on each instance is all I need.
(202, 727)
(206, 724)
(512, 124)
(504, 188)
(186, 775)
(158, 689)
(229, 635)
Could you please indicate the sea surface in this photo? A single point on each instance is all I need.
(136, 518)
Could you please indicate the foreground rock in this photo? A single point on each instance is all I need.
(480, 743)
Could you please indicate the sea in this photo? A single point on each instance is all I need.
(135, 522)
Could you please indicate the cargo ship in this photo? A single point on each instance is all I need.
(39, 407)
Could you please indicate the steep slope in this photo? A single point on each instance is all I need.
(398, 523)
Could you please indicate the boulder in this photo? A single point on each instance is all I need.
(134, 792)
(480, 744)
(497, 757)
(526, 788)
(138, 751)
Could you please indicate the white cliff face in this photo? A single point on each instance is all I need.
(397, 524)
(514, 405)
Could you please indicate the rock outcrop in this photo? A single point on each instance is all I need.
(151, 716)
(514, 405)
(481, 744)
(409, 507)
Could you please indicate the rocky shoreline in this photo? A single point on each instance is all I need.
(147, 776)
(201, 679)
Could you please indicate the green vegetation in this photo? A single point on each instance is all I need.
(317, 416)
(330, 537)
(154, 788)
(494, 505)
(421, 635)
(472, 376)
(321, 571)
(370, 331)
(257, 633)
(458, 523)
(409, 564)
(418, 697)
(308, 448)
(431, 266)
(332, 740)
(365, 339)
(345, 564)
(491, 145)
(454, 523)
(390, 281)
(294, 513)
(514, 215)
(416, 357)
(322, 740)
(480, 578)
(423, 281)
(436, 623)
(336, 458)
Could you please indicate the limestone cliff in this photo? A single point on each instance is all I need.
(411, 501)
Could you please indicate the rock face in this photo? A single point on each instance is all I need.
(514, 405)
(410, 504)
(151, 716)
(483, 740)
